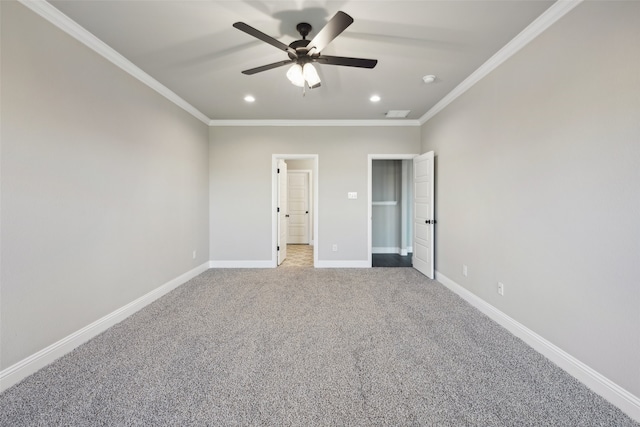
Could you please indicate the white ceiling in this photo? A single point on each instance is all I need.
(192, 49)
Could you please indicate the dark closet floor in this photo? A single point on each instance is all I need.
(390, 260)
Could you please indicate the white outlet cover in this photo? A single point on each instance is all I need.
(352, 195)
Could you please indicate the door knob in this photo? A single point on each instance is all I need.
(430, 221)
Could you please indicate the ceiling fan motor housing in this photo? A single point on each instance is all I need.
(300, 46)
(304, 29)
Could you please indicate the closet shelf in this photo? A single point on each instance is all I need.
(387, 203)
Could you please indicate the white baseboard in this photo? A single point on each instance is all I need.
(385, 250)
(342, 264)
(271, 264)
(242, 264)
(15, 373)
(616, 395)
(391, 250)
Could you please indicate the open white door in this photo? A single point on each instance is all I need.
(423, 214)
(282, 211)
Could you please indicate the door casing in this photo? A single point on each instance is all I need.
(371, 158)
(274, 204)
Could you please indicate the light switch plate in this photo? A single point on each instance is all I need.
(352, 195)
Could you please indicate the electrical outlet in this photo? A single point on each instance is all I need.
(464, 270)
(500, 288)
(335, 248)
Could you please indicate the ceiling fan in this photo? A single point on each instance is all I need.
(303, 52)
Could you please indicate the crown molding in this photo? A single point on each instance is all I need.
(66, 24)
(336, 123)
(69, 26)
(544, 21)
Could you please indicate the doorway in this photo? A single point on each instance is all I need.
(417, 188)
(391, 211)
(295, 224)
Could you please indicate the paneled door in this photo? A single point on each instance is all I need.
(298, 197)
(282, 211)
(424, 221)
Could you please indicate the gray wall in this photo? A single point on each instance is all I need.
(104, 187)
(300, 164)
(538, 186)
(240, 185)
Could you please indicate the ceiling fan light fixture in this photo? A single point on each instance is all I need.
(311, 75)
(295, 75)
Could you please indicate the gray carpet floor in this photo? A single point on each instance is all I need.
(305, 347)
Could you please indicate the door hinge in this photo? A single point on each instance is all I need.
(278, 170)
(278, 210)
(278, 247)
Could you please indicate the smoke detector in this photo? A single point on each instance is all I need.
(430, 78)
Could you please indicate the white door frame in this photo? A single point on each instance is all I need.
(371, 158)
(274, 203)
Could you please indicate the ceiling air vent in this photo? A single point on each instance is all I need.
(397, 114)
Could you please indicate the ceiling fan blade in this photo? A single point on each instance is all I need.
(265, 38)
(334, 27)
(349, 62)
(267, 67)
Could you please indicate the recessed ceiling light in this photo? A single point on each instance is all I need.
(249, 98)
(429, 78)
(374, 98)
